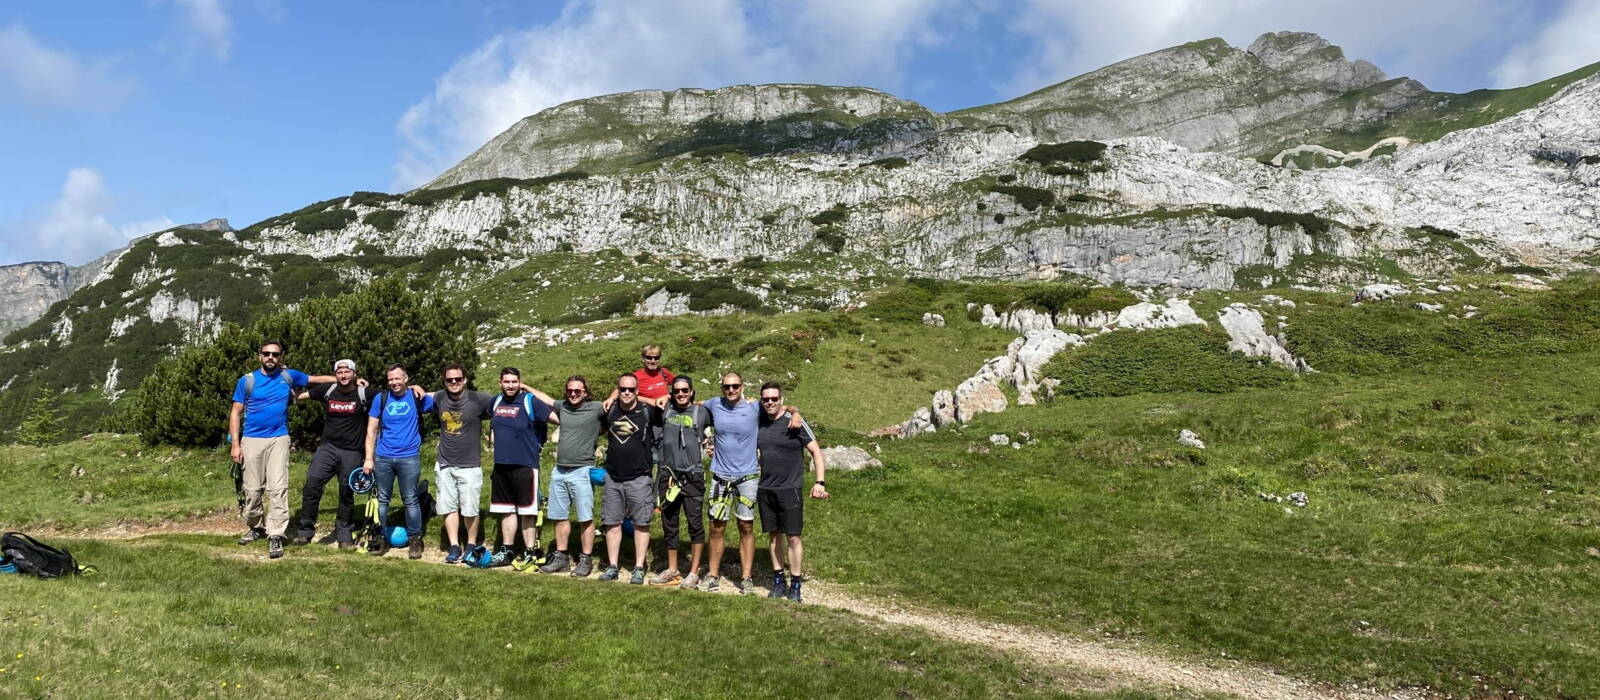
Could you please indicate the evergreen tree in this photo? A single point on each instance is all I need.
(42, 426)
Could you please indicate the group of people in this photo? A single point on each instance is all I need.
(657, 437)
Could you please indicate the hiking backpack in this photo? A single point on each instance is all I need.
(31, 556)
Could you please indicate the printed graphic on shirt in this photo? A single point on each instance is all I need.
(508, 411)
(398, 408)
(623, 430)
(346, 408)
(450, 422)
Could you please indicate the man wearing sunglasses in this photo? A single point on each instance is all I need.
(653, 379)
(681, 480)
(783, 448)
(631, 427)
(258, 430)
(733, 476)
(459, 468)
(571, 491)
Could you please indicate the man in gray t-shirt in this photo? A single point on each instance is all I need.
(459, 468)
(571, 492)
(681, 480)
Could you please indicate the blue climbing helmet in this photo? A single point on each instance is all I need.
(361, 482)
(6, 567)
(597, 476)
(398, 537)
(478, 557)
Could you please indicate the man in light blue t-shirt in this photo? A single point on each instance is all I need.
(733, 476)
(258, 430)
(394, 451)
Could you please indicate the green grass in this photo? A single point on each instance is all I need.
(104, 479)
(188, 616)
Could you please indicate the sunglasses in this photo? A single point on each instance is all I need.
(454, 380)
(268, 353)
(575, 391)
(683, 390)
(731, 387)
(652, 358)
(771, 399)
(629, 389)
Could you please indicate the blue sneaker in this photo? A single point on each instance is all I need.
(454, 557)
(502, 557)
(779, 586)
(794, 590)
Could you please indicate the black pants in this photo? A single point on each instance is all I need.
(329, 462)
(690, 503)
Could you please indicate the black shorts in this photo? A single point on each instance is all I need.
(781, 510)
(514, 488)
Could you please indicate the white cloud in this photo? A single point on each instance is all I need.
(1419, 38)
(207, 27)
(1568, 42)
(77, 226)
(598, 47)
(48, 78)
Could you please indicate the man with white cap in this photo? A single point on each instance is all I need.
(344, 434)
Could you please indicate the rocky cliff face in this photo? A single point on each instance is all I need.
(28, 289)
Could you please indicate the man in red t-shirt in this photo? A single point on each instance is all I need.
(654, 380)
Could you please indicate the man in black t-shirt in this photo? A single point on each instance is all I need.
(630, 426)
(782, 450)
(344, 430)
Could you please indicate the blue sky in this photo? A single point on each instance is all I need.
(121, 118)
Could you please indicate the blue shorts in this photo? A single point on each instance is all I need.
(571, 495)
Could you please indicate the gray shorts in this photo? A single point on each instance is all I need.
(634, 498)
(742, 505)
(460, 489)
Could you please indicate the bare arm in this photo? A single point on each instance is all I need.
(546, 398)
(236, 450)
(818, 489)
(795, 421)
(372, 439)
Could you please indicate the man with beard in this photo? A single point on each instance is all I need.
(344, 433)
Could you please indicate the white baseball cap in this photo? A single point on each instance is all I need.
(345, 363)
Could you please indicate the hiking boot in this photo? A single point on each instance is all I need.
(300, 540)
(557, 564)
(690, 582)
(610, 574)
(274, 547)
(501, 558)
(251, 535)
(666, 578)
(454, 555)
(780, 586)
(794, 589)
(711, 584)
(637, 578)
(524, 561)
(747, 586)
(378, 546)
(416, 549)
(330, 538)
(585, 566)
(343, 546)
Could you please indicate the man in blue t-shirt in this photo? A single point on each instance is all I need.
(518, 416)
(258, 430)
(394, 451)
(733, 476)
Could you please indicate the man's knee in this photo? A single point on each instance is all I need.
(746, 527)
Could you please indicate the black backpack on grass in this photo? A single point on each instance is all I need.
(31, 556)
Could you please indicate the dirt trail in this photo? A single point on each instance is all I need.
(1125, 664)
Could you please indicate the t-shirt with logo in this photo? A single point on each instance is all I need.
(783, 452)
(580, 429)
(461, 427)
(518, 437)
(266, 409)
(629, 440)
(736, 437)
(654, 386)
(399, 423)
(681, 435)
(344, 420)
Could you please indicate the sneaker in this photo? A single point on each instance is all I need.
(610, 574)
(416, 549)
(690, 582)
(330, 538)
(274, 547)
(780, 586)
(251, 535)
(747, 586)
(454, 555)
(637, 578)
(501, 558)
(794, 590)
(557, 564)
(300, 540)
(666, 578)
(524, 561)
(711, 584)
(585, 566)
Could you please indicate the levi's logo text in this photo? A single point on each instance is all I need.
(343, 407)
(506, 412)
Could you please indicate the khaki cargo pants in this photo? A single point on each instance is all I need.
(266, 468)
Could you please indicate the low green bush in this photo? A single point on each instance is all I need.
(1188, 358)
(383, 219)
(831, 238)
(1069, 152)
(1310, 223)
(1521, 270)
(716, 151)
(832, 216)
(1029, 198)
(889, 163)
(492, 186)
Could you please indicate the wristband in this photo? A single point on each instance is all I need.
(821, 483)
